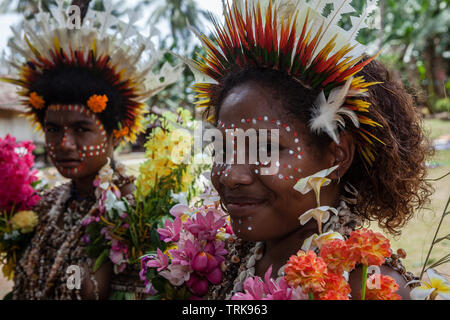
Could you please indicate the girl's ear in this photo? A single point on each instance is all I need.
(343, 154)
(114, 141)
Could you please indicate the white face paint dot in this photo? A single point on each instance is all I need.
(266, 118)
(289, 166)
(299, 156)
(280, 176)
(257, 163)
(277, 163)
(299, 149)
(291, 152)
(296, 140)
(288, 129)
(278, 122)
(242, 120)
(256, 171)
(254, 121)
(249, 228)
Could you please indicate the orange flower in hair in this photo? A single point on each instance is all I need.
(97, 103)
(36, 101)
(121, 133)
(383, 288)
(369, 248)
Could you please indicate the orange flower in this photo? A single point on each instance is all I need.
(97, 103)
(368, 247)
(336, 288)
(307, 270)
(382, 288)
(36, 101)
(338, 256)
(121, 133)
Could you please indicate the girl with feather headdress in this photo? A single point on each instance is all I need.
(85, 85)
(350, 144)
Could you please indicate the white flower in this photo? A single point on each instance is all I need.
(437, 285)
(314, 182)
(316, 241)
(181, 197)
(320, 214)
(111, 202)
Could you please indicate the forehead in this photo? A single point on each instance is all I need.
(68, 117)
(249, 100)
(247, 104)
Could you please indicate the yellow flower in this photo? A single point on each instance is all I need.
(97, 103)
(26, 221)
(36, 101)
(437, 285)
(160, 161)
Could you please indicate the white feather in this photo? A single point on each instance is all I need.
(328, 114)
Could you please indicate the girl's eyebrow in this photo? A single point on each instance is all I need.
(75, 123)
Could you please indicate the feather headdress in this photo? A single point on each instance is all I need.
(294, 36)
(109, 48)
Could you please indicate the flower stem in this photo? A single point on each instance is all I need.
(364, 281)
(311, 296)
(434, 238)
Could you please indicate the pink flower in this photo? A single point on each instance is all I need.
(269, 289)
(205, 227)
(198, 285)
(186, 252)
(161, 262)
(253, 290)
(171, 231)
(16, 175)
(178, 210)
(177, 274)
(118, 255)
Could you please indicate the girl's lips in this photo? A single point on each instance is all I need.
(245, 208)
(68, 164)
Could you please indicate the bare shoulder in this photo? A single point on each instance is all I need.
(355, 281)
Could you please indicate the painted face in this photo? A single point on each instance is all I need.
(265, 207)
(77, 142)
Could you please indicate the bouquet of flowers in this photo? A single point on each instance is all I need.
(122, 231)
(17, 197)
(189, 258)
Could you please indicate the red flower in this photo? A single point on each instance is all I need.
(307, 270)
(382, 287)
(368, 247)
(338, 256)
(336, 288)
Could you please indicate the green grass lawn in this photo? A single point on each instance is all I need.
(417, 235)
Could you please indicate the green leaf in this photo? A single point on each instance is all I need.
(103, 256)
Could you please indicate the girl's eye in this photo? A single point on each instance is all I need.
(52, 129)
(81, 129)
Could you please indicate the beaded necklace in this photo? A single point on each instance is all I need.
(57, 244)
(237, 270)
